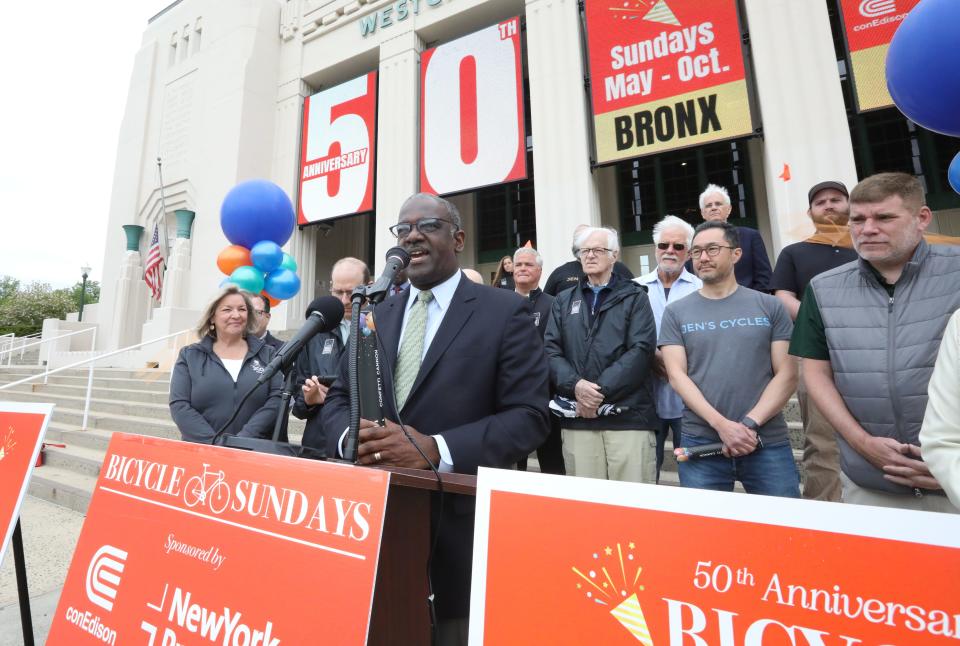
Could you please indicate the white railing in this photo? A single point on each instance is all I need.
(91, 361)
(9, 353)
(14, 343)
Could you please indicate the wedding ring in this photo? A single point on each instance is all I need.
(376, 456)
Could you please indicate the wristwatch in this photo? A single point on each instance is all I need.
(751, 424)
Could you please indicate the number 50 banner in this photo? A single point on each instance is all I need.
(471, 111)
(337, 165)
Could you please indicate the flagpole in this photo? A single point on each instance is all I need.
(163, 203)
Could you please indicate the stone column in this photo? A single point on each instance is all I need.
(565, 191)
(178, 263)
(804, 119)
(129, 305)
(398, 131)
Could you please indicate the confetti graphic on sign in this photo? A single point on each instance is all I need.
(8, 443)
(600, 587)
(661, 12)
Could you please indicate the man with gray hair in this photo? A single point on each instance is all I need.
(570, 273)
(600, 340)
(753, 269)
(668, 283)
(527, 269)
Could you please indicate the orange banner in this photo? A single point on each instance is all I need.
(869, 26)
(194, 544)
(576, 561)
(665, 74)
(22, 427)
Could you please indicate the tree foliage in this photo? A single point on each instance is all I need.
(24, 307)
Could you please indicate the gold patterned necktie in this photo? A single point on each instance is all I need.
(411, 349)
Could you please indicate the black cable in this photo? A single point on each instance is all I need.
(352, 442)
(434, 625)
(236, 411)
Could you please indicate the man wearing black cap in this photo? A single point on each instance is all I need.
(317, 364)
(829, 247)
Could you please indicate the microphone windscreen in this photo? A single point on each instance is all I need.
(329, 307)
(399, 253)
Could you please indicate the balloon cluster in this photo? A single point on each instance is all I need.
(922, 71)
(257, 218)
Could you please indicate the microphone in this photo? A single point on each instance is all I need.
(397, 261)
(323, 315)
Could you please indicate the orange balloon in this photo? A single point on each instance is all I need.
(273, 301)
(232, 257)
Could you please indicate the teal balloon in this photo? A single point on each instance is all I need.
(288, 262)
(248, 278)
(282, 284)
(267, 255)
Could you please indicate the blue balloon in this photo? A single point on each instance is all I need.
(266, 255)
(282, 284)
(257, 210)
(923, 66)
(953, 174)
(248, 278)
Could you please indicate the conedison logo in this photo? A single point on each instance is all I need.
(874, 8)
(103, 575)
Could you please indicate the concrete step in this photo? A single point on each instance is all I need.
(116, 407)
(77, 459)
(62, 486)
(110, 373)
(159, 384)
(121, 394)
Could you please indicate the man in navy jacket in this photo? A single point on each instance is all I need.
(753, 269)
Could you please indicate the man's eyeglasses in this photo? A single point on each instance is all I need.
(259, 312)
(592, 251)
(712, 250)
(424, 225)
(341, 293)
(663, 246)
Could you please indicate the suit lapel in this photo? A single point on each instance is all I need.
(458, 313)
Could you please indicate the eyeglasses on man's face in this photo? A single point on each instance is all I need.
(712, 250)
(663, 246)
(593, 251)
(425, 226)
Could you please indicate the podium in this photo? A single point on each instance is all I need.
(400, 613)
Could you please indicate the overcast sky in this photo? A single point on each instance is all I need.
(65, 68)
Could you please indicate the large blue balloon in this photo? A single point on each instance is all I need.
(248, 278)
(257, 210)
(953, 173)
(267, 255)
(923, 66)
(282, 284)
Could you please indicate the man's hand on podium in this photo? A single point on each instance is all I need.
(387, 445)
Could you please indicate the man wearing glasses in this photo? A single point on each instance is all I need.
(725, 350)
(668, 283)
(464, 371)
(601, 338)
(318, 362)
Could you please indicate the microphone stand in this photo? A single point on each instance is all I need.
(284, 411)
(362, 293)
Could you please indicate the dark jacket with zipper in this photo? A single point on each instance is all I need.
(611, 345)
(321, 358)
(203, 395)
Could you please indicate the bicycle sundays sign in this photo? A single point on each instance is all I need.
(187, 543)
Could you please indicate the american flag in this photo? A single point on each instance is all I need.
(153, 274)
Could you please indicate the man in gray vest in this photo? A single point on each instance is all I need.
(868, 332)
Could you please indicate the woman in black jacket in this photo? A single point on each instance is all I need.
(212, 376)
(504, 276)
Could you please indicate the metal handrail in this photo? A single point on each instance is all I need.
(91, 361)
(42, 341)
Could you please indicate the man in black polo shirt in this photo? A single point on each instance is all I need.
(798, 263)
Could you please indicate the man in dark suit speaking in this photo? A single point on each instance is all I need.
(468, 375)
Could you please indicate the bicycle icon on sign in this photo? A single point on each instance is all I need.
(210, 489)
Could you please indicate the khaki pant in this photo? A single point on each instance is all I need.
(629, 456)
(821, 455)
(857, 495)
